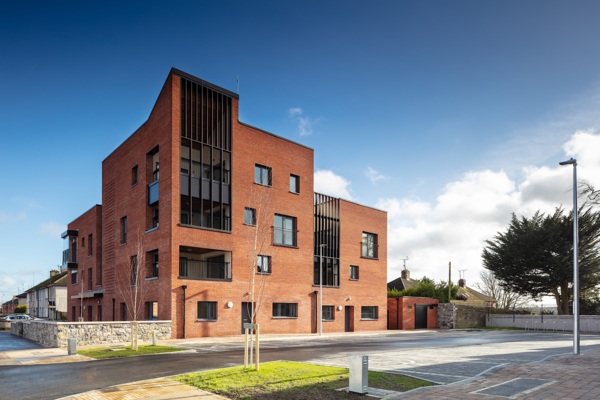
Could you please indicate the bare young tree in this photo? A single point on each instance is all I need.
(506, 298)
(132, 286)
(258, 221)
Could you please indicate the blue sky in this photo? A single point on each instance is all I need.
(450, 115)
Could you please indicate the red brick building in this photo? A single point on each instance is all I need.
(205, 220)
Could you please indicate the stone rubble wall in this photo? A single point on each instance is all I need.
(55, 334)
(453, 316)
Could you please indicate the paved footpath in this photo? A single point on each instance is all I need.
(566, 377)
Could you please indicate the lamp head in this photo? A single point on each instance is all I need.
(571, 161)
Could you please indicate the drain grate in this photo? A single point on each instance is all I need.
(515, 387)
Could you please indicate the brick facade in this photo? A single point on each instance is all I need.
(160, 141)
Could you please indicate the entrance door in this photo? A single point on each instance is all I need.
(421, 316)
(349, 319)
(246, 314)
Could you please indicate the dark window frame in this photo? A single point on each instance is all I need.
(285, 233)
(260, 260)
(263, 175)
(328, 313)
(294, 184)
(134, 175)
(285, 310)
(249, 216)
(124, 230)
(354, 272)
(209, 313)
(369, 245)
(370, 313)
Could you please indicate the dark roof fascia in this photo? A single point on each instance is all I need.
(204, 83)
(353, 202)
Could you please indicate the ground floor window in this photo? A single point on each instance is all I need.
(123, 312)
(368, 312)
(354, 272)
(328, 313)
(207, 310)
(285, 310)
(152, 310)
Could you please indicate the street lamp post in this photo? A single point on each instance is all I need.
(573, 162)
(321, 288)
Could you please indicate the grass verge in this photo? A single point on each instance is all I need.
(291, 380)
(107, 352)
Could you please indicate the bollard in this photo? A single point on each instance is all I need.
(72, 346)
(359, 374)
(153, 338)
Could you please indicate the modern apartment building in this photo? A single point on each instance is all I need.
(206, 220)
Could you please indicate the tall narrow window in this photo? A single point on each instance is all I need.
(123, 311)
(262, 175)
(263, 264)
(123, 230)
(249, 216)
(90, 244)
(328, 313)
(153, 264)
(284, 230)
(369, 245)
(354, 272)
(90, 279)
(134, 270)
(294, 184)
(134, 175)
(152, 310)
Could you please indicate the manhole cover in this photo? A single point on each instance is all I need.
(515, 387)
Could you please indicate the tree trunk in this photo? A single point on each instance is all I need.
(134, 335)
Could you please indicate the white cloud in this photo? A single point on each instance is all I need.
(6, 217)
(374, 175)
(305, 124)
(474, 208)
(52, 229)
(327, 182)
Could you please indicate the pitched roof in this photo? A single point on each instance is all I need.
(402, 283)
(472, 297)
(56, 280)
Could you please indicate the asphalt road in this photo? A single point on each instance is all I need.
(441, 357)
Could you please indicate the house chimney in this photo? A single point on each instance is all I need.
(462, 282)
(405, 274)
(53, 272)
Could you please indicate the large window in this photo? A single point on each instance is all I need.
(284, 233)
(368, 312)
(123, 230)
(328, 313)
(354, 272)
(294, 184)
(207, 310)
(249, 216)
(330, 268)
(369, 245)
(263, 264)
(262, 175)
(285, 310)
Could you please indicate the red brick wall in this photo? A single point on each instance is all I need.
(88, 223)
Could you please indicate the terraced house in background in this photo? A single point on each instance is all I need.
(204, 217)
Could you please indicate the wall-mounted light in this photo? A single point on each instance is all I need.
(229, 304)
(339, 308)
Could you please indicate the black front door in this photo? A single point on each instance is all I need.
(421, 316)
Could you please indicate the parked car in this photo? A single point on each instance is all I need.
(16, 317)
